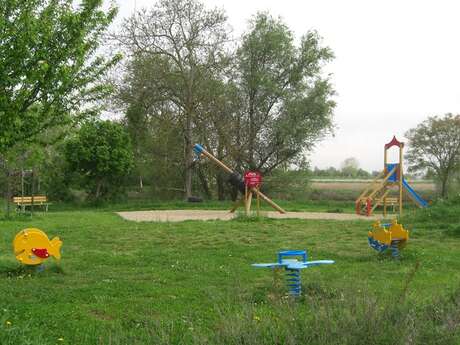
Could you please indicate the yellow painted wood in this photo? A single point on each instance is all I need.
(218, 162)
(398, 232)
(380, 234)
(230, 171)
(382, 184)
(366, 190)
(31, 238)
(401, 176)
(395, 232)
(27, 200)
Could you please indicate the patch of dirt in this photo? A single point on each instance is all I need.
(182, 215)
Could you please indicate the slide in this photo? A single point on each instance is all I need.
(419, 201)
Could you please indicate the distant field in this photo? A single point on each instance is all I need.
(357, 185)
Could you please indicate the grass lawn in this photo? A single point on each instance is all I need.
(121, 282)
(146, 204)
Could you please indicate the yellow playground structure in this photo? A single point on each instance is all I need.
(378, 192)
(388, 236)
(32, 247)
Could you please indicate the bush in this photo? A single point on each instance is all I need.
(102, 155)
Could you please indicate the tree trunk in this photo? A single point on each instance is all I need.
(444, 187)
(234, 193)
(141, 183)
(7, 193)
(188, 156)
(205, 185)
(98, 189)
(220, 186)
(251, 133)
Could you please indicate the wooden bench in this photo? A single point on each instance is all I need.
(22, 202)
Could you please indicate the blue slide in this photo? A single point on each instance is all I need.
(414, 195)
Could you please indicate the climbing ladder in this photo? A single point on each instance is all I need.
(376, 194)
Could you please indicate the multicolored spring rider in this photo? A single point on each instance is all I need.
(293, 267)
(32, 247)
(388, 236)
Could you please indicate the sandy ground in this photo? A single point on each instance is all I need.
(181, 215)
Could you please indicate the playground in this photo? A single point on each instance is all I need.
(189, 172)
(184, 276)
(192, 282)
(191, 274)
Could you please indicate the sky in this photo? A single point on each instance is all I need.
(397, 62)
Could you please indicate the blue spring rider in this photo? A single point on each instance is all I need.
(293, 267)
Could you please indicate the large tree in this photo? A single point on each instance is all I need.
(185, 41)
(101, 153)
(286, 104)
(435, 145)
(350, 167)
(49, 69)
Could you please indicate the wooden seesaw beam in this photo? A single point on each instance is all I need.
(200, 150)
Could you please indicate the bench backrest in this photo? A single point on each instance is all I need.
(28, 199)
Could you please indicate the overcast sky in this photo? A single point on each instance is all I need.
(397, 62)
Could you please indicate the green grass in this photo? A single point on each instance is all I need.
(121, 282)
(146, 204)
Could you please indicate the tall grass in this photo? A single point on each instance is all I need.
(442, 217)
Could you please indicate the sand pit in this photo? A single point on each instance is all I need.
(182, 215)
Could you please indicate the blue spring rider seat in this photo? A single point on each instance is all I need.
(293, 267)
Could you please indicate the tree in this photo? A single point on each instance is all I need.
(350, 167)
(185, 41)
(49, 71)
(101, 153)
(435, 145)
(286, 104)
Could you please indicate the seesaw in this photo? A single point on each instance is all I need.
(248, 185)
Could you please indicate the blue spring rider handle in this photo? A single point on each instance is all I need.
(293, 267)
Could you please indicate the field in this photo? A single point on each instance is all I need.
(359, 185)
(122, 282)
(349, 190)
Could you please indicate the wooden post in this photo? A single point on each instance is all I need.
(218, 162)
(246, 199)
(230, 171)
(385, 158)
(248, 203)
(270, 202)
(401, 176)
(237, 204)
(33, 192)
(385, 206)
(258, 202)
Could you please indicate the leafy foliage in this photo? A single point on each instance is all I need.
(101, 153)
(184, 43)
(435, 145)
(49, 70)
(286, 101)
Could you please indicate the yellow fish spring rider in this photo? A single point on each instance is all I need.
(388, 236)
(32, 247)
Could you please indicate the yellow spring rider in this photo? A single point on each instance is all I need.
(388, 236)
(32, 247)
